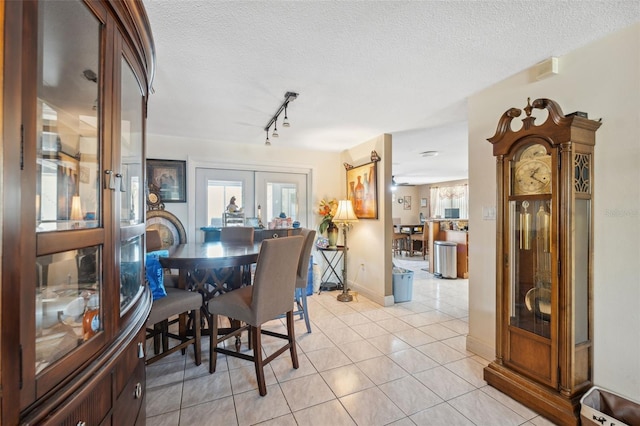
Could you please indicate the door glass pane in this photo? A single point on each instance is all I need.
(68, 164)
(68, 311)
(279, 193)
(225, 199)
(214, 190)
(130, 182)
(131, 272)
(282, 198)
(529, 239)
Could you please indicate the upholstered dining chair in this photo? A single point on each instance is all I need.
(303, 275)
(266, 299)
(168, 303)
(236, 234)
(239, 234)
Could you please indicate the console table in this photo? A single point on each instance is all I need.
(212, 234)
(332, 256)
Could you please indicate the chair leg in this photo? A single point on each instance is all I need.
(256, 333)
(165, 335)
(291, 334)
(196, 333)
(213, 342)
(297, 296)
(157, 335)
(303, 297)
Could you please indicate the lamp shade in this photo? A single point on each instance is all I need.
(345, 213)
(76, 209)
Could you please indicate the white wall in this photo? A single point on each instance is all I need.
(326, 169)
(602, 79)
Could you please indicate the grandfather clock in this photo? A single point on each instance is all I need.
(544, 321)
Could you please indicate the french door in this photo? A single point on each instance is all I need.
(259, 195)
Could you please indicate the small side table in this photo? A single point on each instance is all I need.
(332, 257)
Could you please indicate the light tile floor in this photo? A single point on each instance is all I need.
(363, 364)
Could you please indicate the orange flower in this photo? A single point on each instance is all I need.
(327, 209)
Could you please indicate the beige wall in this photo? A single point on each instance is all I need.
(602, 79)
(368, 236)
(398, 210)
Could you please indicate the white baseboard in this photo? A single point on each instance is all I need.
(380, 300)
(480, 348)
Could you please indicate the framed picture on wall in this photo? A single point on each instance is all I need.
(170, 177)
(362, 190)
(407, 202)
(423, 202)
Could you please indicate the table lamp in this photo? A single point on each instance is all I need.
(344, 217)
(76, 211)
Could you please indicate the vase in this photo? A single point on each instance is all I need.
(332, 234)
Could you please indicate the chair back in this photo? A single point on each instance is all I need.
(303, 265)
(275, 278)
(154, 241)
(237, 234)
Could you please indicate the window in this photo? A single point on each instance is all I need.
(446, 198)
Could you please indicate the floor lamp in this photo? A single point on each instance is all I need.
(344, 217)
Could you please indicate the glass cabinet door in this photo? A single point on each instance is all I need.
(69, 252)
(530, 279)
(129, 182)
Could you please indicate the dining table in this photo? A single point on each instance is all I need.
(212, 268)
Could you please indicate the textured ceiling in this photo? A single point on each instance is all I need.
(362, 68)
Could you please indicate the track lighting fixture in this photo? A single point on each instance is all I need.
(285, 122)
(288, 97)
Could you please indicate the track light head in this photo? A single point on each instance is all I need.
(285, 122)
(288, 97)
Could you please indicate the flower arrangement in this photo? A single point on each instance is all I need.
(327, 210)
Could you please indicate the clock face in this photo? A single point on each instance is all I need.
(153, 200)
(532, 172)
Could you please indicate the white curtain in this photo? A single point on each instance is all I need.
(447, 197)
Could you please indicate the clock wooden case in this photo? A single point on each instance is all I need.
(544, 320)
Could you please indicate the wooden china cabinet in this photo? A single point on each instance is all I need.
(76, 77)
(545, 173)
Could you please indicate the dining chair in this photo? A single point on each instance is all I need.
(266, 299)
(302, 276)
(236, 234)
(399, 241)
(165, 309)
(424, 240)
